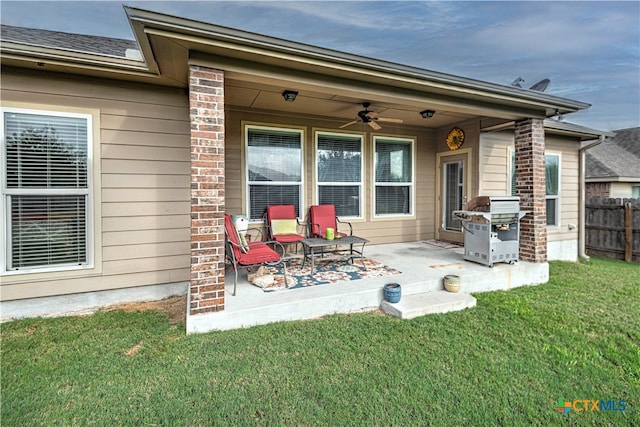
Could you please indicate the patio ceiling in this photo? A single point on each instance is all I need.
(254, 81)
(342, 108)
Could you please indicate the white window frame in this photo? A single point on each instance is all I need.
(5, 200)
(557, 197)
(359, 184)
(248, 183)
(412, 147)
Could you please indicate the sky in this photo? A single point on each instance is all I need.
(590, 50)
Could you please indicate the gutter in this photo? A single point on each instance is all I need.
(582, 197)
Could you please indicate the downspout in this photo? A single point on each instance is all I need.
(582, 204)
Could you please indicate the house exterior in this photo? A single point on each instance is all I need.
(612, 169)
(149, 142)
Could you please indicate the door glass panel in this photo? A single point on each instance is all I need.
(453, 193)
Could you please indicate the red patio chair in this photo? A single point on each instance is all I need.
(282, 224)
(322, 217)
(255, 254)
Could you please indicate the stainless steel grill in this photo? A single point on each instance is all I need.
(492, 229)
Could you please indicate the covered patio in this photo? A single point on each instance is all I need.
(422, 266)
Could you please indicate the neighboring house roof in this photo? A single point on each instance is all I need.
(68, 41)
(616, 159)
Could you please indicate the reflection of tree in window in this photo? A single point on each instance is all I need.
(273, 155)
(397, 165)
(274, 163)
(393, 176)
(38, 157)
(339, 166)
(44, 155)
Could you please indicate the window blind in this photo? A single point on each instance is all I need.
(339, 170)
(261, 196)
(46, 189)
(274, 169)
(393, 177)
(393, 162)
(45, 151)
(48, 230)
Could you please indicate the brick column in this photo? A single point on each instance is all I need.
(206, 103)
(531, 188)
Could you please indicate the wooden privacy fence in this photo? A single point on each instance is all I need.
(613, 228)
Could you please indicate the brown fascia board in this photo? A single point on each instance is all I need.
(572, 129)
(555, 127)
(144, 21)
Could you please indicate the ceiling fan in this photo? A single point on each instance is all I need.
(371, 118)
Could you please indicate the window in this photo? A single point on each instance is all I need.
(453, 184)
(552, 177)
(274, 169)
(339, 172)
(552, 171)
(46, 190)
(393, 168)
(635, 191)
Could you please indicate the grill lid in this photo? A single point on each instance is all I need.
(496, 209)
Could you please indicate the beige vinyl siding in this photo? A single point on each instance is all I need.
(495, 158)
(569, 187)
(494, 168)
(622, 189)
(144, 198)
(471, 142)
(387, 230)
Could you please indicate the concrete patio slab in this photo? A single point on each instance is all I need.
(422, 267)
(416, 305)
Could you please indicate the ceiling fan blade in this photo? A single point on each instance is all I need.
(348, 124)
(374, 125)
(389, 120)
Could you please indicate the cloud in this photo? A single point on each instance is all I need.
(590, 50)
(376, 16)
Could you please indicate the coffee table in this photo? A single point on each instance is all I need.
(311, 244)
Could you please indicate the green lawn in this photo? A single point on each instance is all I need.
(505, 362)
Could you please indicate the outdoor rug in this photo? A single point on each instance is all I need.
(441, 244)
(325, 271)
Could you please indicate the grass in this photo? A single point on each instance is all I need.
(505, 362)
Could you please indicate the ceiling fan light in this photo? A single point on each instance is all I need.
(289, 95)
(427, 114)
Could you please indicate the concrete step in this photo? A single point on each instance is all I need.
(416, 305)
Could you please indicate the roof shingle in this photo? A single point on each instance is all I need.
(616, 157)
(68, 41)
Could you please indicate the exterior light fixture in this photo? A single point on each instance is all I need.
(427, 114)
(289, 95)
